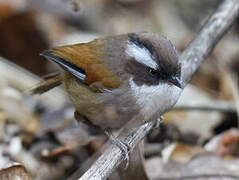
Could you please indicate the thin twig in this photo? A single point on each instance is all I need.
(191, 58)
(208, 37)
(224, 108)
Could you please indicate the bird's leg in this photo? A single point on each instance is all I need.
(125, 148)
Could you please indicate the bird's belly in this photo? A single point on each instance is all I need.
(109, 115)
(111, 112)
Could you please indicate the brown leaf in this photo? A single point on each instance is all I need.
(180, 152)
(14, 172)
(225, 144)
(5, 11)
(22, 41)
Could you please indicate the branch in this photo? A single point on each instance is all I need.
(191, 58)
(220, 106)
(208, 37)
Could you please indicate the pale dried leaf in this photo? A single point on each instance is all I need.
(14, 172)
(205, 166)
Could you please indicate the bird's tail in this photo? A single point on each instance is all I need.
(49, 82)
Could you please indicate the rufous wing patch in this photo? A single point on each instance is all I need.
(89, 57)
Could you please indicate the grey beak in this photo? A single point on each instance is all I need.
(176, 81)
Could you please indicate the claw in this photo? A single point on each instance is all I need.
(124, 147)
(158, 121)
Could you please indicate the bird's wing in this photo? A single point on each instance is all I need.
(83, 61)
(76, 71)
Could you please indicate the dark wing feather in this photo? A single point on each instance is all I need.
(78, 72)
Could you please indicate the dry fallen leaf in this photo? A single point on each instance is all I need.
(19, 113)
(14, 172)
(198, 122)
(225, 144)
(180, 152)
(204, 167)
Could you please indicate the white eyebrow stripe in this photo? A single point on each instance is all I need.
(141, 54)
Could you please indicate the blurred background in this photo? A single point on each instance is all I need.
(39, 138)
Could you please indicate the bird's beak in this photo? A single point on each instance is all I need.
(176, 81)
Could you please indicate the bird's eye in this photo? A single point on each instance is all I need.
(151, 71)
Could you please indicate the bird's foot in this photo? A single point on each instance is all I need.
(124, 147)
(158, 121)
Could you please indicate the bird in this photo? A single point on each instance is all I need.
(114, 79)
